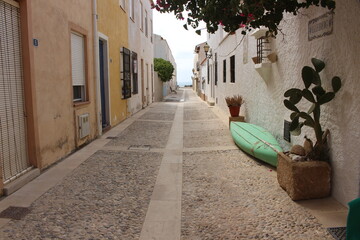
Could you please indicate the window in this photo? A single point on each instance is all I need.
(78, 67)
(232, 69)
(216, 69)
(208, 72)
(134, 72)
(146, 23)
(141, 16)
(224, 71)
(132, 9)
(122, 4)
(151, 30)
(126, 77)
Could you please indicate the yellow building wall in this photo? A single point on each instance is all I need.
(113, 22)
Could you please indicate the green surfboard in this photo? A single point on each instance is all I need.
(255, 141)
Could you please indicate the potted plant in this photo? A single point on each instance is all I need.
(309, 177)
(234, 104)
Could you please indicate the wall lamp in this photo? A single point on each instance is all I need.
(207, 51)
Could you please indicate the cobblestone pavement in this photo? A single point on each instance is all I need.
(225, 193)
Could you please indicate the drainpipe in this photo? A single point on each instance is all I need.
(97, 66)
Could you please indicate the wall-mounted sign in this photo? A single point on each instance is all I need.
(35, 42)
(320, 26)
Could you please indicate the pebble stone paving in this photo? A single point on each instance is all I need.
(225, 193)
(155, 134)
(106, 197)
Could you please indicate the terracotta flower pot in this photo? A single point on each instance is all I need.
(234, 111)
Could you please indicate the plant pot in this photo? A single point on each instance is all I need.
(272, 57)
(256, 60)
(234, 111)
(303, 180)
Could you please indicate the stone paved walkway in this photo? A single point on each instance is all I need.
(193, 183)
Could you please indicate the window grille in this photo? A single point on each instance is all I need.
(263, 49)
(134, 72)
(126, 77)
(216, 69)
(224, 71)
(232, 69)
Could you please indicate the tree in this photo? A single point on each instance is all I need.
(164, 68)
(235, 14)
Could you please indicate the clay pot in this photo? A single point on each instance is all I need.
(234, 111)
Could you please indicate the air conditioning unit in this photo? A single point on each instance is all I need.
(84, 125)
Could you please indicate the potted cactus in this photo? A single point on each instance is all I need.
(309, 177)
(234, 103)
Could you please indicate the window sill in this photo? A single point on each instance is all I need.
(81, 104)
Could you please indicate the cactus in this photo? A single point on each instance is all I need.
(317, 95)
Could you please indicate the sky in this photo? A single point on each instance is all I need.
(181, 42)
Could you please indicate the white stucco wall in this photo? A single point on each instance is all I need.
(264, 99)
(142, 45)
(162, 50)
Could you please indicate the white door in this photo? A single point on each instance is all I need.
(13, 152)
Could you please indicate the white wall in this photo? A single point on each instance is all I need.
(264, 99)
(162, 50)
(144, 48)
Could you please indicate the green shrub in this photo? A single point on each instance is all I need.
(164, 68)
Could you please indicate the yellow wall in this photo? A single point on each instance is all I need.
(51, 22)
(113, 22)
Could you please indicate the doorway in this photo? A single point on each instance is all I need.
(147, 85)
(143, 97)
(104, 84)
(13, 134)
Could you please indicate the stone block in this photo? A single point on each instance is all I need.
(304, 180)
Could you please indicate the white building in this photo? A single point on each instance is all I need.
(199, 71)
(141, 44)
(162, 50)
(334, 38)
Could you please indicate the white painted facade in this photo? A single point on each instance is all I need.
(141, 41)
(264, 96)
(162, 50)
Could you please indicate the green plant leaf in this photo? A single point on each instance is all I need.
(291, 91)
(318, 64)
(294, 124)
(293, 115)
(307, 76)
(327, 97)
(311, 109)
(318, 91)
(317, 113)
(289, 105)
(295, 98)
(297, 131)
(198, 32)
(307, 117)
(309, 123)
(316, 78)
(308, 95)
(336, 83)
(185, 26)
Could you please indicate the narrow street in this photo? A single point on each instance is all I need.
(169, 172)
